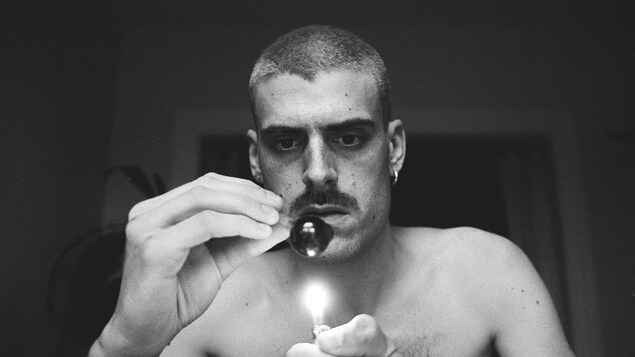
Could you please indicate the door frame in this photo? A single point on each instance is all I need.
(557, 126)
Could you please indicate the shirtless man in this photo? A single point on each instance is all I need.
(196, 279)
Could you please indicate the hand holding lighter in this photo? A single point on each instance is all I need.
(318, 329)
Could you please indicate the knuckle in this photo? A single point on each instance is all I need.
(247, 203)
(134, 232)
(215, 224)
(257, 193)
(365, 328)
(301, 349)
(136, 210)
(138, 237)
(198, 194)
(209, 178)
(292, 351)
(208, 217)
(363, 320)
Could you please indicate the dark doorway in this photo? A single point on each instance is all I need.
(451, 182)
(501, 184)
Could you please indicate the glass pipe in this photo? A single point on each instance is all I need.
(310, 235)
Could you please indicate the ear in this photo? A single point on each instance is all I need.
(397, 144)
(254, 162)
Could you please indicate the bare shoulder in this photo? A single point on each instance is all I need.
(462, 246)
(490, 265)
(492, 277)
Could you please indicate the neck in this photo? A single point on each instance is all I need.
(354, 284)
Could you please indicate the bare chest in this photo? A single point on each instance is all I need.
(436, 328)
(433, 330)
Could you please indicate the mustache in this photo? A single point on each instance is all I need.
(324, 197)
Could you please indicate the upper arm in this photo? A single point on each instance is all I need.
(523, 317)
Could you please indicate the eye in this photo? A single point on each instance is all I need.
(349, 140)
(286, 144)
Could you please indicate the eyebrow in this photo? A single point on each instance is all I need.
(344, 125)
(351, 123)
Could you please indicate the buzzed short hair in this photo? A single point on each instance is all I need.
(309, 50)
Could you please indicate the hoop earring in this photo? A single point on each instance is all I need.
(394, 177)
(258, 177)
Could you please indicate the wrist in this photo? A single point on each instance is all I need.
(114, 343)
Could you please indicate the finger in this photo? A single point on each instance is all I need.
(306, 350)
(169, 248)
(253, 203)
(219, 182)
(279, 232)
(362, 336)
(211, 177)
(237, 180)
(208, 224)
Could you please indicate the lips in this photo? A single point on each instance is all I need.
(323, 211)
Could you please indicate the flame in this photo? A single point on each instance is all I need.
(316, 299)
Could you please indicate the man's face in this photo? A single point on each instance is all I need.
(323, 147)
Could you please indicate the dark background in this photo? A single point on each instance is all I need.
(61, 94)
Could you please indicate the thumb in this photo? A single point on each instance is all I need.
(362, 336)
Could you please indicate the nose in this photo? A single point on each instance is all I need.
(320, 171)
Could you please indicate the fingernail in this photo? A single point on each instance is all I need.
(272, 196)
(268, 210)
(266, 229)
